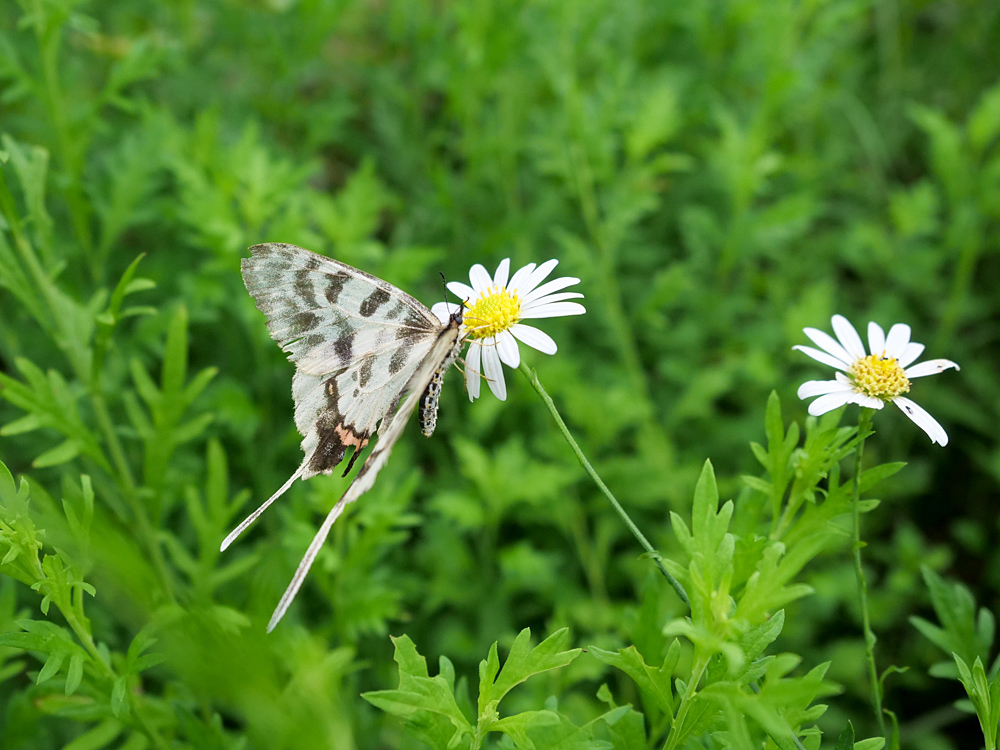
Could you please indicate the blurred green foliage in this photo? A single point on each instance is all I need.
(718, 174)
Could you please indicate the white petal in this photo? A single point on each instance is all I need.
(819, 387)
(537, 277)
(826, 359)
(868, 401)
(827, 343)
(554, 310)
(534, 338)
(923, 420)
(510, 355)
(473, 371)
(502, 274)
(876, 338)
(829, 402)
(930, 367)
(494, 372)
(910, 354)
(463, 291)
(444, 310)
(848, 336)
(519, 276)
(480, 278)
(551, 286)
(550, 298)
(896, 341)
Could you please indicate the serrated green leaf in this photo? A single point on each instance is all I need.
(522, 663)
(410, 662)
(652, 680)
(755, 640)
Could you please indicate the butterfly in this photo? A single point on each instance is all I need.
(359, 346)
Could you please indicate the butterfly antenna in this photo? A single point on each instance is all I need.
(444, 285)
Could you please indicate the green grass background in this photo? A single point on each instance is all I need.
(718, 175)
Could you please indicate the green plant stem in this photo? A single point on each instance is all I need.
(656, 556)
(676, 735)
(864, 425)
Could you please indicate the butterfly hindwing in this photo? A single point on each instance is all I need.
(359, 345)
(443, 353)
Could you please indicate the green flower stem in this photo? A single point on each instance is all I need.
(656, 556)
(864, 427)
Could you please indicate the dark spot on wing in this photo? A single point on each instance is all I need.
(304, 322)
(312, 262)
(344, 347)
(311, 341)
(334, 286)
(413, 320)
(397, 309)
(373, 302)
(365, 373)
(335, 437)
(304, 287)
(397, 361)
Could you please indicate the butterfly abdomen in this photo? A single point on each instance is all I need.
(429, 404)
(429, 400)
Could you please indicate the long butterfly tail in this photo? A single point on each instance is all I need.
(307, 561)
(256, 514)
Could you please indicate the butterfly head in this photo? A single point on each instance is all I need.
(456, 318)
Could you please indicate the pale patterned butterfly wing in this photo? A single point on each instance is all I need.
(359, 345)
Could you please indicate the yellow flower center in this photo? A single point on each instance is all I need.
(878, 377)
(496, 310)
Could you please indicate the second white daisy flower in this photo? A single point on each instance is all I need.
(874, 379)
(495, 307)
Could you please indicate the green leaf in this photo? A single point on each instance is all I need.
(652, 680)
(872, 743)
(74, 674)
(20, 426)
(65, 451)
(427, 702)
(51, 666)
(119, 696)
(8, 488)
(984, 122)
(100, 736)
(846, 739)
(871, 477)
(522, 663)
(963, 633)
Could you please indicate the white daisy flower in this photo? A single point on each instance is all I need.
(871, 380)
(495, 307)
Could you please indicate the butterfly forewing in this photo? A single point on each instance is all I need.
(356, 341)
